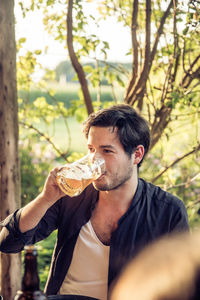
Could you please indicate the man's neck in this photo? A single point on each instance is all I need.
(120, 197)
(112, 205)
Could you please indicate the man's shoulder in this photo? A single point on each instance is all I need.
(167, 209)
(160, 196)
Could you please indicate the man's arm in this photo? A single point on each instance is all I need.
(33, 212)
(20, 227)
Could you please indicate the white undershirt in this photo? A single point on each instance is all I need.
(88, 271)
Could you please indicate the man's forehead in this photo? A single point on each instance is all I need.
(103, 136)
(110, 129)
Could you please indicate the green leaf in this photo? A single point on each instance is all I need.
(38, 52)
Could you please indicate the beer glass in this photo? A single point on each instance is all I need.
(75, 177)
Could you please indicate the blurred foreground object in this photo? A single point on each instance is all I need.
(168, 269)
(70, 297)
(30, 281)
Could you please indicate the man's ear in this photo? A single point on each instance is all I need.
(138, 154)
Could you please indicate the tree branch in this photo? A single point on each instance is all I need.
(134, 38)
(188, 72)
(45, 137)
(161, 120)
(147, 37)
(197, 148)
(136, 93)
(177, 52)
(63, 117)
(187, 183)
(134, 46)
(77, 66)
(160, 31)
(190, 78)
(145, 71)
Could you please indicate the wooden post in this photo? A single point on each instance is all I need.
(10, 264)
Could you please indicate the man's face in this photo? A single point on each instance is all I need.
(119, 166)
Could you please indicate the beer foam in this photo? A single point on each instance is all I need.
(77, 172)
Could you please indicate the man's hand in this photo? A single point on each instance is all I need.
(33, 212)
(51, 191)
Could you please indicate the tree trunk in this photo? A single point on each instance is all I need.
(74, 60)
(10, 270)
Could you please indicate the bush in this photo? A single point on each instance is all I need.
(34, 167)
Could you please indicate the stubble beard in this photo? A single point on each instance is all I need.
(116, 182)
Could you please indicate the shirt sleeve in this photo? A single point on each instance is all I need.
(179, 221)
(12, 240)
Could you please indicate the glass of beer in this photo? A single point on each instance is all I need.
(75, 177)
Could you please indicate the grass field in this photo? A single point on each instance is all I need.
(75, 141)
(69, 91)
(58, 132)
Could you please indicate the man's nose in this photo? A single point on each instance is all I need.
(95, 156)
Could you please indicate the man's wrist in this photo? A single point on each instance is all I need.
(45, 201)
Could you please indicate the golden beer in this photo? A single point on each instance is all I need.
(74, 178)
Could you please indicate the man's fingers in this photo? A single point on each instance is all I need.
(54, 172)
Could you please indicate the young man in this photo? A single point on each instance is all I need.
(114, 218)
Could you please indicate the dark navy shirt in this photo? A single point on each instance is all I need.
(152, 213)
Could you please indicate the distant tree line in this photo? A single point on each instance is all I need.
(66, 70)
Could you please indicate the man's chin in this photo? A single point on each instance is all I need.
(99, 186)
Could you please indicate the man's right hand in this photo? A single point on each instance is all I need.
(51, 191)
(33, 212)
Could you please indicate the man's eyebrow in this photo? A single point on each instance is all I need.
(104, 146)
(107, 146)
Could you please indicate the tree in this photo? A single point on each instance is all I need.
(165, 46)
(178, 57)
(9, 160)
(167, 51)
(165, 43)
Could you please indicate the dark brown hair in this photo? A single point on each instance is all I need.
(132, 128)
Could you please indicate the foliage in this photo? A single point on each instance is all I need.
(66, 96)
(177, 180)
(36, 162)
(165, 61)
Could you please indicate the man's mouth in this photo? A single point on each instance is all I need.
(102, 175)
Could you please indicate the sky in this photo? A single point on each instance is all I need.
(32, 29)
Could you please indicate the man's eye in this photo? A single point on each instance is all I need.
(107, 150)
(91, 150)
